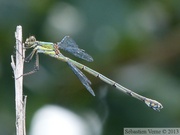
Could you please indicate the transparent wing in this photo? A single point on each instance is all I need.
(69, 45)
(84, 80)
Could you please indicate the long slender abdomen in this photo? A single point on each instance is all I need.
(149, 102)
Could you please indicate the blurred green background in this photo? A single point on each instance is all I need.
(136, 43)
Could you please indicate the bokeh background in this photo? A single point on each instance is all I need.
(136, 43)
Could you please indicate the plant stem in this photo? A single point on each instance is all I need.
(18, 71)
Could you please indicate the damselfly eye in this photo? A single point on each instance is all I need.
(30, 41)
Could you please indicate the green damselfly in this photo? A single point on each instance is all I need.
(69, 45)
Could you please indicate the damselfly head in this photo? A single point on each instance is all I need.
(30, 41)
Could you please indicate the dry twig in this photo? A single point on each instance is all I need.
(18, 71)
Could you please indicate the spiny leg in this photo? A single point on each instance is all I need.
(30, 56)
(17, 40)
(36, 67)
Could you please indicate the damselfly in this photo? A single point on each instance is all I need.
(69, 45)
